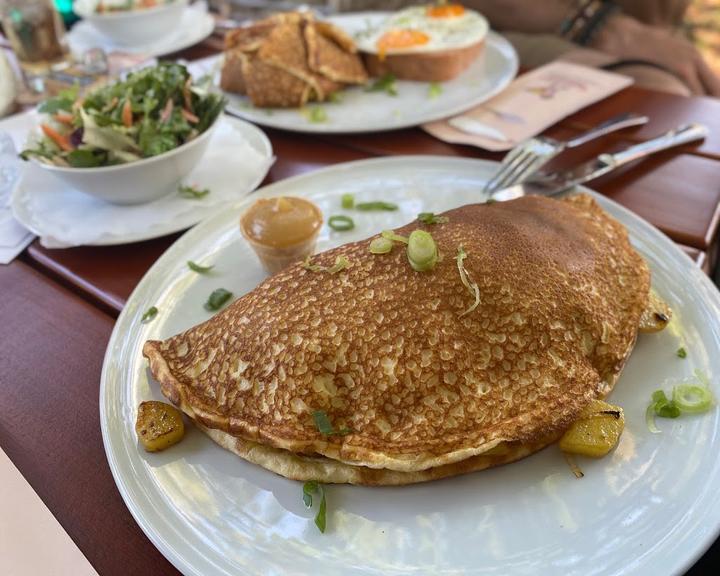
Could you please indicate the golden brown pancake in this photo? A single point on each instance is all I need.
(387, 352)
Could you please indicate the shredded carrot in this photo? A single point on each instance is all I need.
(127, 116)
(64, 118)
(189, 116)
(55, 136)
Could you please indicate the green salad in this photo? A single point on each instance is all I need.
(153, 111)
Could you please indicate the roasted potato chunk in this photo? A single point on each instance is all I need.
(657, 314)
(158, 425)
(596, 432)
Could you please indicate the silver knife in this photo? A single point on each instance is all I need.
(550, 184)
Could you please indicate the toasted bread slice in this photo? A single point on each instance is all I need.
(438, 66)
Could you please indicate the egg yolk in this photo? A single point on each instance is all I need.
(401, 38)
(445, 11)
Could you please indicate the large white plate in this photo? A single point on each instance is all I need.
(650, 508)
(195, 26)
(361, 111)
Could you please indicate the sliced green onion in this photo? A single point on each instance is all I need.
(384, 84)
(378, 205)
(310, 488)
(431, 218)
(693, 399)
(195, 267)
(434, 90)
(467, 281)
(149, 314)
(217, 299)
(341, 262)
(681, 352)
(193, 192)
(341, 223)
(663, 406)
(347, 201)
(422, 251)
(317, 115)
(381, 246)
(325, 427)
(390, 235)
(650, 419)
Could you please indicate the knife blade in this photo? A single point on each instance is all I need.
(553, 183)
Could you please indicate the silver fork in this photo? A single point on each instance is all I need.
(529, 156)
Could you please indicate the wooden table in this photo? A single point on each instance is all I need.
(58, 308)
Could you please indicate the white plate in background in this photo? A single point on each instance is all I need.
(361, 111)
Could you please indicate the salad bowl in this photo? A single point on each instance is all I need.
(133, 26)
(129, 142)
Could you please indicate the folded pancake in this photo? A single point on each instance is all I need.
(387, 352)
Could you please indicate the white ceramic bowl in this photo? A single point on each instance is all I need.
(133, 27)
(136, 182)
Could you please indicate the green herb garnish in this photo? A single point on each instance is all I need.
(150, 313)
(341, 223)
(370, 206)
(681, 352)
(198, 268)
(62, 102)
(335, 97)
(422, 251)
(217, 299)
(431, 218)
(434, 90)
(381, 246)
(193, 192)
(310, 488)
(390, 235)
(347, 201)
(384, 84)
(341, 262)
(325, 427)
(317, 114)
(467, 281)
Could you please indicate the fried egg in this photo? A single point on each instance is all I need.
(424, 29)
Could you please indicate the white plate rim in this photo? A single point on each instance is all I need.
(494, 39)
(699, 280)
(249, 132)
(204, 28)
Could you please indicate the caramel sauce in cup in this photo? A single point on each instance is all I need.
(281, 230)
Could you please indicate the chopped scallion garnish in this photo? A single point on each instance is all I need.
(384, 84)
(378, 205)
(310, 488)
(195, 267)
(341, 262)
(434, 90)
(422, 251)
(347, 201)
(325, 427)
(149, 314)
(681, 352)
(381, 245)
(692, 396)
(217, 299)
(317, 114)
(193, 192)
(431, 218)
(390, 235)
(467, 280)
(341, 223)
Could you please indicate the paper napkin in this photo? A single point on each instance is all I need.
(65, 217)
(532, 103)
(32, 541)
(13, 236)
